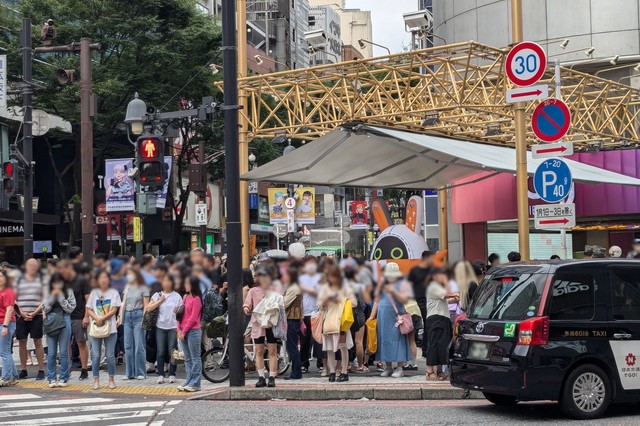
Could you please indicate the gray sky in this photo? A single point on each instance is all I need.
(388, 26)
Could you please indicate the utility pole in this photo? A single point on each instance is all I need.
(232, 178)
(243, 129)
(203, 195)
(86, 136)
(27, 143)
(521, 146)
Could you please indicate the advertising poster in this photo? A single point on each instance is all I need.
(114, 226)
(359, 215)
(277, 210)
(120, 189)
(161, 200)
(305, 205)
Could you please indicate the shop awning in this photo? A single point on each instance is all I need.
(379, 157)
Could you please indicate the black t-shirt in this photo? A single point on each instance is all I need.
(417, 277)
(81, 288)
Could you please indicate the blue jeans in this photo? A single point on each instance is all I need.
(9, 370)
(109, 347)
(167, 342)
(192, 360)
(293, 334)
(59, 345)
(135, 352)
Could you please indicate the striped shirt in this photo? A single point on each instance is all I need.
(29, 293)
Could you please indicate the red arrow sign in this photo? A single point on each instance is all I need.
(562, 221)
(550, 150)
(523, 94)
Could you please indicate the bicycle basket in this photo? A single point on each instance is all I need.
(217, 328)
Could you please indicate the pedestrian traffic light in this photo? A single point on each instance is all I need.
(10, 177)
(151, 167)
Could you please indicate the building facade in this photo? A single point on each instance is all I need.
(325, 18)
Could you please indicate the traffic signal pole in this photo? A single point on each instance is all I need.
(86, 148)
(27, 142)
(521, 146)
(232, 180)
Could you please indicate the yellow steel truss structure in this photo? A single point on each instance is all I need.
(457, 90)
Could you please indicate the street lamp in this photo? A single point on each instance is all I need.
(362, 43)
(252, 158)
(136, 114)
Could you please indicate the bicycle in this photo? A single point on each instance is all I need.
(215, 361)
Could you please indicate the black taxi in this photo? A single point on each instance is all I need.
(566, 331)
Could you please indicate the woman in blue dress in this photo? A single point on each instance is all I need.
(393, 346)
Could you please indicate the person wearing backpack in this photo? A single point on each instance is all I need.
(136, 297)
(58, 306)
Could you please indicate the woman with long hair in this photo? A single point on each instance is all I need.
(331, 296)
(293, 310)
(102, 308)
(135, 300)
(8, 322)
(190, 334)
(465, 276)
(438, 325)
(166, 303)
(59, 303)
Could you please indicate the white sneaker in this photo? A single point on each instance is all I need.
(399, 372)
(140, 378)
(53, 384)
(151, 367)
(160, 380)
(63, 384)
(172, 379)
(386, 373)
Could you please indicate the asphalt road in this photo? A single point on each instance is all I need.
(448, 412)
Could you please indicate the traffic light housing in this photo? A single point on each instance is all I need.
(151, 168)
(12, 177)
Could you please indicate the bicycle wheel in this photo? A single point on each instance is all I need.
(283, 359)
(215, 365)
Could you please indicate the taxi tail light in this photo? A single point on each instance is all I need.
(461, 317)
(534, 331)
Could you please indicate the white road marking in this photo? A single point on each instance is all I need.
(51, 402)
(82, 409)
(95, 417)
(22, 397)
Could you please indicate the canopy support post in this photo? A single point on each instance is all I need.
(443, 220)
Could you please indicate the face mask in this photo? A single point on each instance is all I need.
(310, 268)
(131, 278)
(392, 280)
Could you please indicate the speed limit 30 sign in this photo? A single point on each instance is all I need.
(526, 63)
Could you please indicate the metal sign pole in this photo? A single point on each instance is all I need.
(558, 79)
(27, 94)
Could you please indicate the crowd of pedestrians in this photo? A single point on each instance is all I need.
(150, 314)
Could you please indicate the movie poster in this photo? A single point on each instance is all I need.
(359, 215)
(277, 210)
(305, 205)
(120, 191)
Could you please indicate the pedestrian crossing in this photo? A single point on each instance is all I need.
(30, 409)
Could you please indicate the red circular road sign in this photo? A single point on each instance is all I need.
(551, 120)
(526, 63)
(101, 209)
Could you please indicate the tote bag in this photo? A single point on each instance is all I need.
(317, 320)
(347, 316)
(99, 332)
(372, 335)
(333, 320)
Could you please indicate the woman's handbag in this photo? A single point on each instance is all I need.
(100, 331)
(358, 316)
(150, 319)
(372, 335)
(404, 322)
(333, 319)
(317, 320)
(347, 316)
(179, 312)
(54, 322)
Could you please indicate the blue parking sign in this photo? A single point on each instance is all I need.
(552, 180)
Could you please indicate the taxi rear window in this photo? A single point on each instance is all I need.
(502, 297)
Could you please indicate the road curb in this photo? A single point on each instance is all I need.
(335, 393)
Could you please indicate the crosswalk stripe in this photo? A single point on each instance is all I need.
(165, 411)
(52, 402)
(82, 409)
(19, 397)
(155, 423)
(96, 417)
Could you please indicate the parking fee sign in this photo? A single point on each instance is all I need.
(552, 180)
(526, 63)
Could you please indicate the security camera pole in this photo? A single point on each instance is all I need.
(86, 138)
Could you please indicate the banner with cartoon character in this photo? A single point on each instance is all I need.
(120, 189)
(359, 215)
(305, 205)
(277, 210)
(402, 244)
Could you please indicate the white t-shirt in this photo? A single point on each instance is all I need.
(101, 303)
(167, 310)
(309, 302)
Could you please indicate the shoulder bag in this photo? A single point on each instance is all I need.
(150, 319)
(54, 321)
(100, 331)
(404, 322)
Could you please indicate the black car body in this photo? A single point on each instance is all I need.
(567, 331)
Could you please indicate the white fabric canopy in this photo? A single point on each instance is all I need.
(378, 157)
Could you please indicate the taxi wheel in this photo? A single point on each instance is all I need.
(504, 400)
(587, 393)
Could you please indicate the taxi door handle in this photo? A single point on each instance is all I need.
(622, 336)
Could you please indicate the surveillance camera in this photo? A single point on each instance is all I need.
(151, 109)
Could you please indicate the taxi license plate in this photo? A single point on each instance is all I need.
(479, 350)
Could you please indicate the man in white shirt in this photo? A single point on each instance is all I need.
(309, 284)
